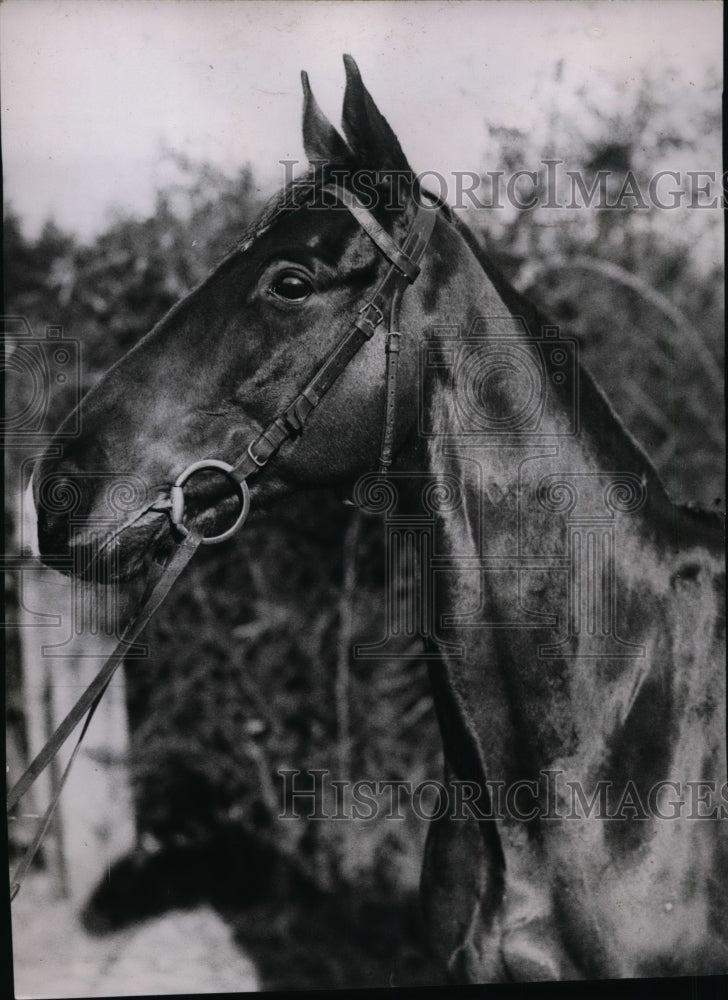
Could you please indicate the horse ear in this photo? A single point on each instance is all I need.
(369, 134)
(321, 141)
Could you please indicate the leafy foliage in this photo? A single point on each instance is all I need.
(641, 288)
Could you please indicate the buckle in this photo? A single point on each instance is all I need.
(363, 319)
(254, 458)
(393, 342)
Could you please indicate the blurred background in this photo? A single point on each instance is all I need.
(139, 140)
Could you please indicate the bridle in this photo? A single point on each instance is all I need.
(404, 267)
(403, 270)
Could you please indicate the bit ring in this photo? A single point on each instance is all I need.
(177, 497)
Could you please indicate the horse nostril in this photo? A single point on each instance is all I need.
(60, 499)
(53, 532)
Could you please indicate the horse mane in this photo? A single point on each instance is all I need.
(701, 520)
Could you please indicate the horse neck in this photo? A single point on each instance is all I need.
(574, 430)
(504, 534)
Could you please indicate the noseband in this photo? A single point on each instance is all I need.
(404, 267)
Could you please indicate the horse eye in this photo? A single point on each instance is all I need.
(290, 287)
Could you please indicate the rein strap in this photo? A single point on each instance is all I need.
(156, 591)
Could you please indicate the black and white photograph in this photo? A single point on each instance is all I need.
(364, 542)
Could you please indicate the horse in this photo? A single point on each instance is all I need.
(572, 612)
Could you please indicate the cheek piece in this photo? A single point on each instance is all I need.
(404, 267)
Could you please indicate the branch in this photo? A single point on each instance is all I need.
(656, 299)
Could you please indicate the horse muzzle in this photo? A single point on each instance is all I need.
(94, 525)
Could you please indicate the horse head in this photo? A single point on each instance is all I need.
(234, 352)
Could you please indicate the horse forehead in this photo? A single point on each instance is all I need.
(327, 231)
(314, 240)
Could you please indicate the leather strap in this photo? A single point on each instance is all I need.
(402, 257)
(404, 266)
(157, 589)
(392, 348)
